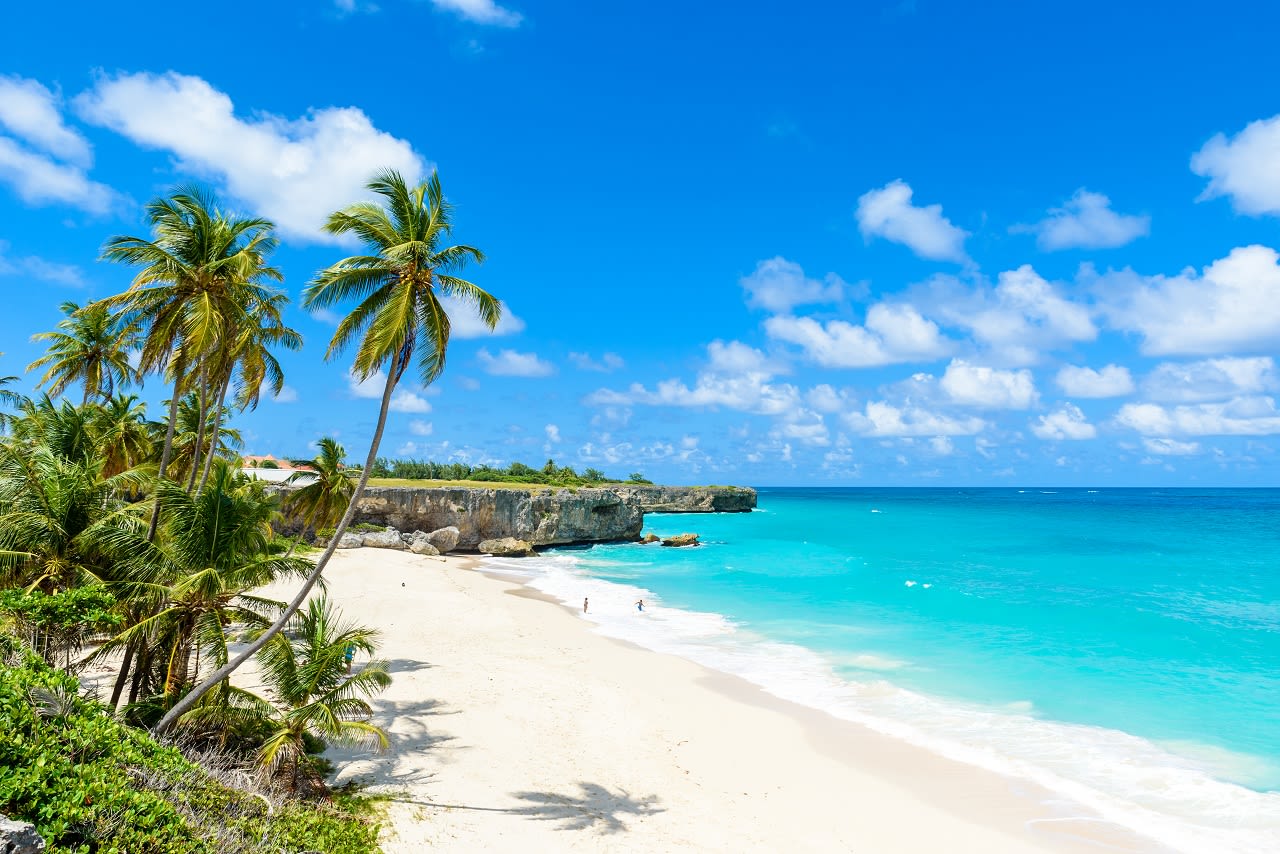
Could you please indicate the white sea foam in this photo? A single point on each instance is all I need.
(1167, 793)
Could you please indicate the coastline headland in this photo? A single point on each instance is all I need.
(543, 517)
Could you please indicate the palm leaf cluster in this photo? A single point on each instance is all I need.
(156, 517)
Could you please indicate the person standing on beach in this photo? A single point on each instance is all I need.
(640, 605)
(584, 604)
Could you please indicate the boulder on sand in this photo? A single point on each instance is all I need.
(420, 544)
(680, 540)
(445, 540)
(351, 541)
(507, 547)
(388, 539)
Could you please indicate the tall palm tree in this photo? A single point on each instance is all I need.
(306, 673)
(91, 346)
(399, 284)
(194, 438)
(321, 503)
(124, 434)
(202, 272)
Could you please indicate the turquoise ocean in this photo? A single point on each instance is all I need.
(1118, 646)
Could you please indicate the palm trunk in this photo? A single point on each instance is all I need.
(186, 703)
(217, 427)
(124, 674)
(204, 409)
(164, 455)
(139, 673)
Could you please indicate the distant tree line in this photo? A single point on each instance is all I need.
(550, 473)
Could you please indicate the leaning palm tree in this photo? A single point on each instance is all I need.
(399, 315)
(91, 346)
(202, 272)
(306, 673)
(321, 503)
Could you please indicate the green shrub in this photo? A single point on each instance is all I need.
(91, 784)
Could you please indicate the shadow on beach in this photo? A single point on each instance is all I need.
(406, 726)
(598, 808)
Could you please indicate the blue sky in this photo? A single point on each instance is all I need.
(912, 243)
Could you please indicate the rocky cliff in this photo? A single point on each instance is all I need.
(545, 517)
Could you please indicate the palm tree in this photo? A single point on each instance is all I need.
(321, 503)
(399, 284)
(202, 274)
(194, 438)
(125, 436)
(91, 346)
(306, 673)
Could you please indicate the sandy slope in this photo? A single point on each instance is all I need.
(516, 728)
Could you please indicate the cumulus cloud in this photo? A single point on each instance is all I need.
(888, 213)
(31, 112)
(1211, 379)
(1230, 308)
(39, 180)
(480, 12)
(1086, 221)
(1015, 321)
(464, 322)
(778, 285)
(372, 387)
(1108, 381)
(892, 334)
(34, 267)
(942, 446)
(988, 388)
(418, 427)
(1066, 422)
(1170, 447)
(511, 363)
(1245, 167)
(1242, 416)
(605, 364)
(553, 433)
(880, 418)
(293, 171)
(288, 394)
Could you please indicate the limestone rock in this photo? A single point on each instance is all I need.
(388, 539)
(445, 539)
(18, 837)
(680, 540)
(507, 547)
(420, 544)
(351, 541)
(650, 538)
(688, 499)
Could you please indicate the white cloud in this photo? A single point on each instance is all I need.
(1242, 416)
(372, 387)
(892, 334)
(1245, 167)
(1231, 308)
(884, 419)
(30, 111)
(553, 433)
(605, 364)
(942, 446)
(288, 394)
(1108, 381)
(418, 427)
(293, 171)
(481, 12)
(464, 322)
(778, 285)
(1066, 422)
(888, 213)
(1086, 221)
(326, 316)
(38, 268)
(1211, 379)
(510, 363)
(1170, 447)
(40, 180)
(989, 388)
(403, 400)
(824, 398)
(1017, 320)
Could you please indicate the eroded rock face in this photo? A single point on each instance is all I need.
(445, 540)
(649, 538)
(18, 837)
(543, 518)
(689, 499)
(507, 547)
(681, 540)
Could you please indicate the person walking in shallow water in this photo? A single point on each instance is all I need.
(584, 604)
(640, 605)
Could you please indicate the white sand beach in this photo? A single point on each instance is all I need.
(515, 727)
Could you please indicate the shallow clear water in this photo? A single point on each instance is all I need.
(1120, 645)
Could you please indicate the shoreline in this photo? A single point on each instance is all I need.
(514, 721)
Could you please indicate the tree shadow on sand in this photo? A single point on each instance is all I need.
(406, 723)
(598, 808)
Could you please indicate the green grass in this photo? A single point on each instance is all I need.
(470, 484)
